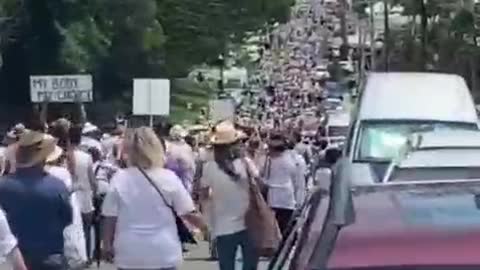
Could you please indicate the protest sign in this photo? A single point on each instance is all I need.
(62, 88)
(151, 97)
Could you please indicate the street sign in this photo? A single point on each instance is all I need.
(62, 88)
(151, 97)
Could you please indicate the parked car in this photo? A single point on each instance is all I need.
(403, 226)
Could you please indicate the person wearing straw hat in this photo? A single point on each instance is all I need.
(44, 197)
(178, 149)
(281, 177)
(225, 186)
(12, 139)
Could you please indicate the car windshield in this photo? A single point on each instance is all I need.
(381, 140)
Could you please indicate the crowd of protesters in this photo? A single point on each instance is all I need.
(136, 189)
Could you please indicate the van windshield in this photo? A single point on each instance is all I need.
(381, 141)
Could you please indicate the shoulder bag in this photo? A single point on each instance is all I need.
(262, 226)
(184, 233)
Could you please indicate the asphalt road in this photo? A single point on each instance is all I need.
(196, 259)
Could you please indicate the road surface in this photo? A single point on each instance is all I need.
(197, 259)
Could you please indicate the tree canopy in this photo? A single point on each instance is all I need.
(122, 39)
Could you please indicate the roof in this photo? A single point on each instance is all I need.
(422, 96)
(438, 225)
(446, 139)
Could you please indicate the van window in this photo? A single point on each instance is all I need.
(381, 140)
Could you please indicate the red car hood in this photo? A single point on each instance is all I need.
(407, 228)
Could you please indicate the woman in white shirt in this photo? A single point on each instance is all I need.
(8, 245)
(225, 184)
(139, 228)
(75, 247)
(80, 166)
(281, 178)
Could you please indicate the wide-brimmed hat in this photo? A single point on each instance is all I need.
(225, 133)
(89, 128)
(55, 154)
(33, 148)
(178, 132)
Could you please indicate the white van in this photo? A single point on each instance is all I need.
(394, 105)
(337, 127)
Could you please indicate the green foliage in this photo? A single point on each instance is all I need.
(118, 40)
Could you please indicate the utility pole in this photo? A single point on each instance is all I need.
(386, 33)
(343, 28)
(372, 37)
(424, 22)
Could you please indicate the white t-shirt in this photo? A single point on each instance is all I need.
(88, 142)
(146, 233)
(83, 165)
(182, 151)
(108, 145)
(230, 199)
(103, 171)
(281, 178)
(300, 182)
(73, 234)
(7, 241)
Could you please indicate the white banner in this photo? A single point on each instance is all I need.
(63, 88)
(151, 97)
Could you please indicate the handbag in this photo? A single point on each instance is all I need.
(262, 226)
(185, 235)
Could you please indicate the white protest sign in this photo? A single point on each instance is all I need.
(63, 88)
(222, 109)
(151, 97)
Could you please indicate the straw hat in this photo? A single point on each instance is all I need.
(33, 148)
(225, 133)
(178, 132)
(55, 155)
(89, 128)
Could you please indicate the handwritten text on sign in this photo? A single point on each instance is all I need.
(65, 88)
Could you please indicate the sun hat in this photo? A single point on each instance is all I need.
(55, 155)
(225, 133)
(33, 148)
(89, 128)
(178, 132)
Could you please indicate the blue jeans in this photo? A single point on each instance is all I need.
(227, 246)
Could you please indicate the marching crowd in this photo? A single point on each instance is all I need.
(145, 193)
(58, 186)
